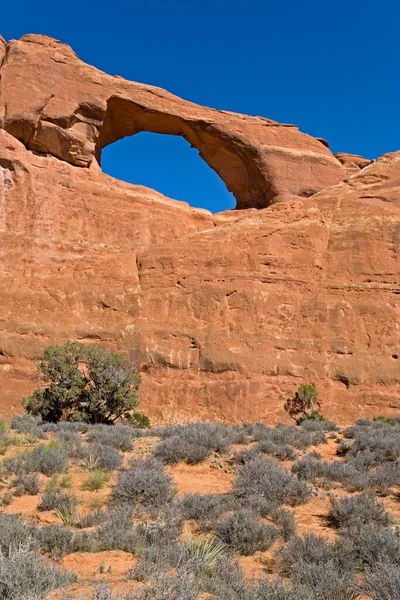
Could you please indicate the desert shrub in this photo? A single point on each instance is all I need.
(96, 480)
(48, 459)
(72, 426)
(163, 528)
(243, 532)
(29, 424)
(260, 477)
(347, 474)
(118, 532)
(276, 590)
(282, 452)
(55, 540)
(20, 464)
(314, 425)
(319, 569)
(324, 581)
(309, 468)
(43, 459)
(285, 435)
(55, 500)
(352, 478)
(226, 581)
(92, 518)
(155, 559)
(385, 477)
(383, 439)
(306, 549)
(243, 456)
(72, 443)
(216, 435)
(14, 533)
(145, 482)
(13, 464)
(263, 507)
(363, 422)
(205, 508)
(27, 483)
(163, 587)
(84, 541)
(177, 449)
(285, 521)
(24, 573)
(118, 436)
(383, 582)
(371, 546)
(363, 461)
(101, 457)
(357, 512)
(103, 391)
(195, 442)
(49, 427)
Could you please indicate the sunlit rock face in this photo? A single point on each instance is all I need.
(224, 314)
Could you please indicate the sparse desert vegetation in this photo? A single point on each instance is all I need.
(113, 512)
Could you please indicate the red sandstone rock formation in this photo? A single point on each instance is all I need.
(226, 314)
(54, 103)
(352, 163)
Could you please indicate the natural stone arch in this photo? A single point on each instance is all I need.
(169, 165)
(56, 104)
(223, 154)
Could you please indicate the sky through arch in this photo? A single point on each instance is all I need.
(145, 159)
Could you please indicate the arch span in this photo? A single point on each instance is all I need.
(225, 155)
(56, 104)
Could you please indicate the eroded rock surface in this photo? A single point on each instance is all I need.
(352, 163)
(225, 314)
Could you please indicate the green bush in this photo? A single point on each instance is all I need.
(304, 404)
(85, 383)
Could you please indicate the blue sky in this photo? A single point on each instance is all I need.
(330, 67)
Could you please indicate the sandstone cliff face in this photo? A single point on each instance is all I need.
(226, 314)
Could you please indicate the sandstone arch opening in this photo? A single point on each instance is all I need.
(167, 164)
(220, 147)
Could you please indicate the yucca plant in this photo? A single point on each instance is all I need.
(67, 512)
(91, 462)
(208, 550)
